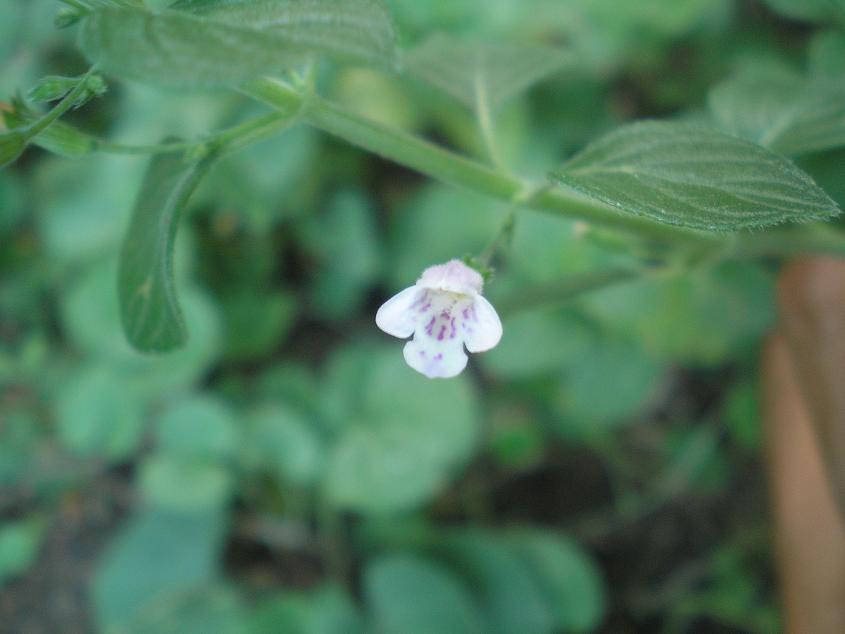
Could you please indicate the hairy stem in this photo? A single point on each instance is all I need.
(39, 125)
(441, 164)
(231, 139)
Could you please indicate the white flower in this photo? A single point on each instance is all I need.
(444, 311)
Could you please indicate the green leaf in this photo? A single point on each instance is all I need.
(605, 387)
(538, 343)
(151, 315)
(19, 543)
(681, 174)
(409, 595)
(155, 555)
(482, 74)
(807, 10)
(183, 484)
(20, 440)
(782, 110)
(400, 435)
(227, 43)
(347, 30)
(826, 53)
(328, 610)
(65, 140)
(84, 208)
(704, 318)
(285, 443)
(568, 578)
(256, 321)
(344, 241)
(417, 238)
(98, 413)
(503, 584)
(332, 611)
(12, 145)
(742, 415)
(91, 319)
(198, 427)
(214, 609)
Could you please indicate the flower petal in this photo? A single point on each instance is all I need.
(454, 276)
(435, 361)
(395, 317)
(484, 328)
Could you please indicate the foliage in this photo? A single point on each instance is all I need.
(197, 230)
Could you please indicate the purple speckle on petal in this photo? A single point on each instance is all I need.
(438, 356)
(442, 333)
(419, 300)
(466, 313)
(430, 326)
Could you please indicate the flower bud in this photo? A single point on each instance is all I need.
(67, 16)
(51, 88)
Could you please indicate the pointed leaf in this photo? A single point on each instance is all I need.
(152, 318)
(681, 174)
(473, 71)
(781, 110)
(359, 30)
(225, 44)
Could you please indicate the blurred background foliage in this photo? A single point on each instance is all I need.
(598, 471)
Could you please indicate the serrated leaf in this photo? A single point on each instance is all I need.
(150, 312)
(227, 43)
(361, 30)
(682, 174)
(473, 72)
(781, 110)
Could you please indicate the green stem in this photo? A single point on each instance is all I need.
(565, 289)
(501, 241)
(38, 126)
(231, 139)
(441, 164)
